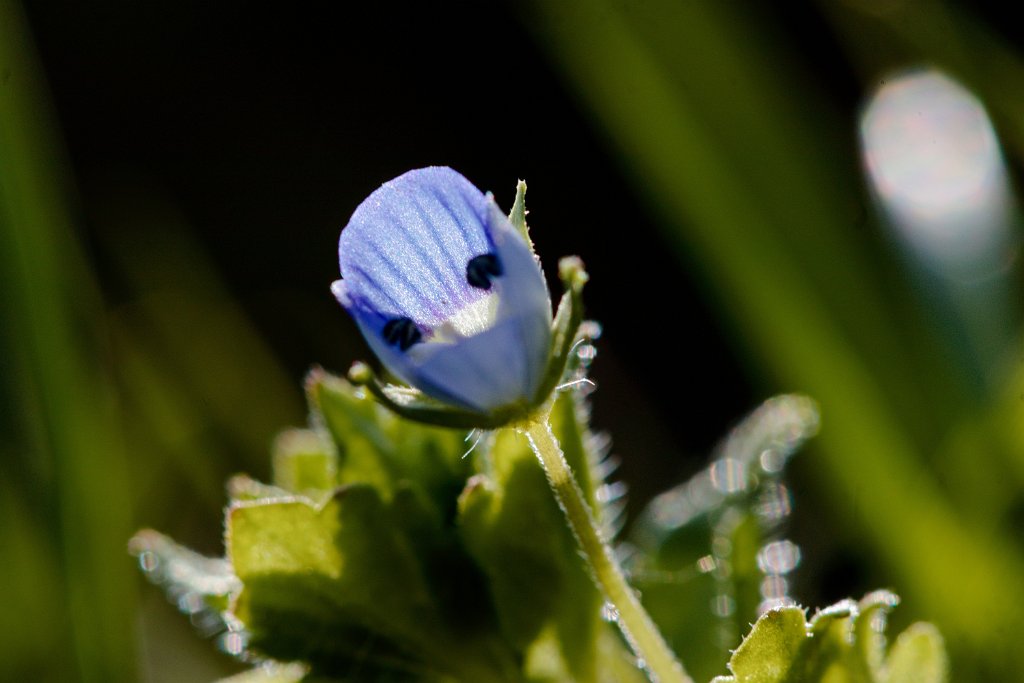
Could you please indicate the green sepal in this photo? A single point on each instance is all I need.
(414, 405)
(566, 325)
(517, 216)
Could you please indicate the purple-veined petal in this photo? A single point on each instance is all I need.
(404, 257)
(406, 247)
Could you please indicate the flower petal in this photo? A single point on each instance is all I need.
(405, 250)
(371, 323)
(482, 373)
(524, 300)
(445, 290)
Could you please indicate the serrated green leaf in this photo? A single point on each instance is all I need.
(512, 525)
(270, 673)
(769, 653)
(196, 582)
(312, 574)
(679, 601)
(842, 644)
(304, 461)
(827, 654)
(342, 586)
(869, 628)
(917, 656)
(365, 453)
(376, 447)
(736, 503)
(457, 585)
(242, 487)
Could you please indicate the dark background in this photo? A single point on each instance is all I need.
(261, 127)
(264, 127)
(215, 151)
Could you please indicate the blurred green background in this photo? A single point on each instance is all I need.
(174, 176)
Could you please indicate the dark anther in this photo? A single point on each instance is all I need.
(401, 332)
(481, 269)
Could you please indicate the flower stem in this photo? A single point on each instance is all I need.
(636, 625)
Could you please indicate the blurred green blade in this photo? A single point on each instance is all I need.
(953, 39)
(195, 337)
(66, 428)
(872, 467)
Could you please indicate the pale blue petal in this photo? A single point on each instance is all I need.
(405, 250)
(371, 323)
(482, 373)
(404, 254)
(524, 298)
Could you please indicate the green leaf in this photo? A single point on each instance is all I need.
(512, 525)
(869, 632)
(270, 673)
(311, 574)
(770, 652)
(842, 644)
(304, 460)
(242, 487)
(196, 583)
(376, 447)
(343, 587)
(827, 655)
(365, 454)
(700, 541)
(917, 656)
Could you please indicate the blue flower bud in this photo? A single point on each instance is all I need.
(448, 293)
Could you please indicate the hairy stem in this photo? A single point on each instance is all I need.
(637, 626)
